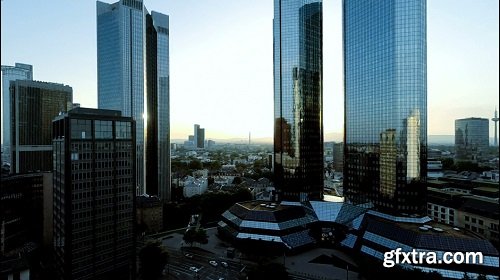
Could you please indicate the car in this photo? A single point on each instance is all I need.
(194, 269)
(189, 256)
(213, 263)
(224, 264)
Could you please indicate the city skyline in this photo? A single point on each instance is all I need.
(213, 62)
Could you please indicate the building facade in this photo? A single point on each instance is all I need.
(20, 71)
(94, 195)
(471, 138)
(385, 104)
(133, 77)
(33, 105)
(298, 99)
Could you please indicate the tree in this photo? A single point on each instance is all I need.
(195, 165)
(190, 236)
(201, 236)
(153, 259)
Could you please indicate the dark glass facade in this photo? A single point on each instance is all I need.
(157, 101)
(94, 195)
(33, 106)
(298, 99)
(471, 139)
(385, 75)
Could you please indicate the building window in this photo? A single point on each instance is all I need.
(480, 222)
(466, 218)
(467, 226)
(474, 220)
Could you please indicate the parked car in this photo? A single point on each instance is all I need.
(189, 256)
(224, 264)
(213, 263)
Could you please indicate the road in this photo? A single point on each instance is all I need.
(179, 265)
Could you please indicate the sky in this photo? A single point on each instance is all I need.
(221, 67)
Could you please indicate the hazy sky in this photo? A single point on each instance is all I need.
(221, 59)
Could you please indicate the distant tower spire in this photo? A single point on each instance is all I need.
(495, 119)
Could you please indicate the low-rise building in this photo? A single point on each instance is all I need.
(149, 213)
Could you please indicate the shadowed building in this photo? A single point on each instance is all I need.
(34, 105)
(94, 195)
(385, 104)
(471, 138)
(298, 98)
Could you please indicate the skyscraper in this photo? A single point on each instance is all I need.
(133, 77)
(33, 106)
(298, 98)
(11, 73)
(199, 136)
(385, 71)
(472, 138)
(94, 195)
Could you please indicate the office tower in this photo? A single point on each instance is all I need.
(33, 106)
(11, 73)
(298, 98)
(471, 138)
(133, 77)
(199, 137)
(338, 156)
(495, 120)
(94, 194)
(385, 71)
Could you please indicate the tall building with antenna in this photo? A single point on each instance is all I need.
(495, 119)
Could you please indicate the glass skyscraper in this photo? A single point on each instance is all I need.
(133, 77)
(471, 138)
(298, 99)
(20, 71)
(385, 71)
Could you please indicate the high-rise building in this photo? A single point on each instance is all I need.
(471, 139)
(298, 98)
(133, 77)
(94, 194)
(385, 71)
(33, 106)
(199, 137)
(11, 73)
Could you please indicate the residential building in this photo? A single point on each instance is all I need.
(298, 99)
(133, 77)
(33, 106)
(19, 71)
(94, 195)
(471, 139)
(385, 72)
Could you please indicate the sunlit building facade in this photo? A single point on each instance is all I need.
(385, 104)
(133, 77)
(298, 98)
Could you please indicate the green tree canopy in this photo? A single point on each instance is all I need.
(153, 259)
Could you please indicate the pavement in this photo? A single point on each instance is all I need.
(299, 266)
